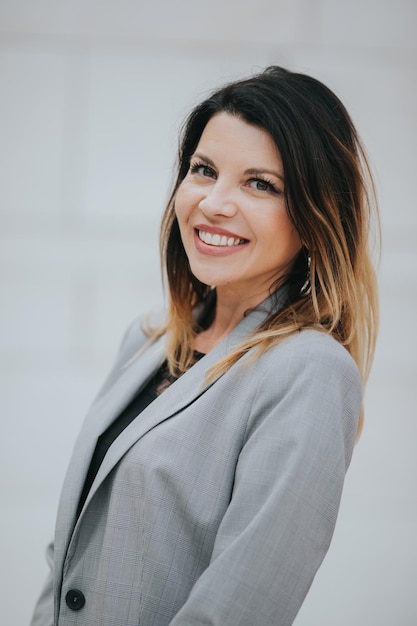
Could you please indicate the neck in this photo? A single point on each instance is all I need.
(230, 310)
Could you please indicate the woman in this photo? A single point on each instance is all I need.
(206, 480)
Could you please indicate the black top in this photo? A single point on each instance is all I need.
(160, 381)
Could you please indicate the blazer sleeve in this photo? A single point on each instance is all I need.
(43, 614)
(288, 484)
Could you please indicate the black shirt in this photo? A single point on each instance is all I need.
(160, 381)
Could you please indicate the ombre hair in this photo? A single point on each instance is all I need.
(330, 199)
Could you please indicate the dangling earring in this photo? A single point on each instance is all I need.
(306, 288)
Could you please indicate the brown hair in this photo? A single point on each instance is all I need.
(330, 199)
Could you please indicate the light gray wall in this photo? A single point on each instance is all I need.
(92, 94)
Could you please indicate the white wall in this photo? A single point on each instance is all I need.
(92, 94)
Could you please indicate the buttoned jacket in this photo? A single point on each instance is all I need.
(217, 504)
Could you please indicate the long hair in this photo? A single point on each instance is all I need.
(330, 198)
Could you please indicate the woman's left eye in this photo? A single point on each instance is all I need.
(262, 185)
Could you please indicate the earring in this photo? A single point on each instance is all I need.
(306, 288)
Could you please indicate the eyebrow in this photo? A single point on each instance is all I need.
(253, 171)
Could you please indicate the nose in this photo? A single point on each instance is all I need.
(219, 200)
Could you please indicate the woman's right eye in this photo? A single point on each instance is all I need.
(202, 170)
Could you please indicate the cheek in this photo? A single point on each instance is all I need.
(274, 221)
(183, 203)
(280, 228)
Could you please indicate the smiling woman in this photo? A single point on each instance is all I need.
(205, 483)
(233, 218)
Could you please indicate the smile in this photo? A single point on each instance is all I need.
(219, 240)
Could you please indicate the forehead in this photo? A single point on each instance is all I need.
(227, 134)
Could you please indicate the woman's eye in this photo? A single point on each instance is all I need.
(203, 170)
(262, 185)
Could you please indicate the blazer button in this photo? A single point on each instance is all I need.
(75, 599)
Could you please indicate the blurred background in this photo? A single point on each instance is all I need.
(92, 95)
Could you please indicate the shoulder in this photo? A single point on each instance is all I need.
(135, 340)
(308, 386)
(311, 352)
(138, 335)
(310, 361)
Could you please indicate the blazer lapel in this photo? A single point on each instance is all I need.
(185, 390)
(170, 402)
(133, 377)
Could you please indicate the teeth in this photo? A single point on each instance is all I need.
(218, 240)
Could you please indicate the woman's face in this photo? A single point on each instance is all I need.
(231, 210)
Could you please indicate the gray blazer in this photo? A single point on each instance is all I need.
(217, 504)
